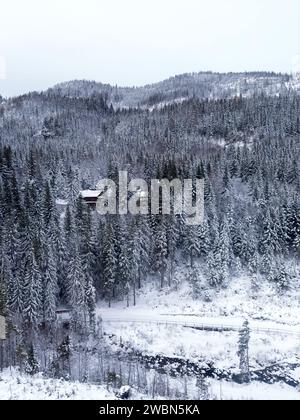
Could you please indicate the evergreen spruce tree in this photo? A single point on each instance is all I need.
(33, 292)
(110, 260)
(142, 246)
(3, 294)
(76, 290)
(214, 268)
(90, 300)
(243, 352)
(32, 365)
(125, 255)
(48, 205)
(161, 251)
(195, 281)
(192, 243)
(50, 289)
(203, 394)
(204, 243)
(224, 250)
(64, 353)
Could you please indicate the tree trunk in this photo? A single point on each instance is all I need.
(192, 261)
(134, 294)
(162, 276)
(140, 280)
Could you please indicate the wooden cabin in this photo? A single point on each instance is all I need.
(63, 317)
(90, 197)
(61, 205)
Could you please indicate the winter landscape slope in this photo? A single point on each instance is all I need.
(170, 327)
(205, 85)
(194, 285)
(19, 386)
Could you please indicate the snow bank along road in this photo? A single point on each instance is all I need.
(192, 321)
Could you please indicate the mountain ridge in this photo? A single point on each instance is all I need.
(204, 85)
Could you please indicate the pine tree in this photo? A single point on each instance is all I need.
(19, 243)
(76, 290)
(224, 251)
(204, 243)
(33, 292)
(213, 264)
(192, 243)
(281, 277)
(271, 239)
(125, 255)
(243, 352)
(32, 365)
(142, 247)
(90, 300)
(195, 281)
(178, 277)
(238, 240)
(88, 264)
(296, 230)
(3, 294)
(161, 251)
(68, 224)
(6, 285)
(73, 186)
(202, 385)
(50, 289)
(64, 353)
(110, 260)
(266, 261)
(48, 205)
(254, 263)
(63, 259)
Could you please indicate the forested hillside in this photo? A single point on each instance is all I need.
(203, 85)
(56, 143)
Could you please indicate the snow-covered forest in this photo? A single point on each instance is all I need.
(61, 262)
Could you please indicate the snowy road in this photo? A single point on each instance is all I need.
(193, 321)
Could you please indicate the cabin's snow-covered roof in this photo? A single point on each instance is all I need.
(90, 193)
(63, 313)
(62, 202)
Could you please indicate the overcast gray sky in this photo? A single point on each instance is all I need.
(133, 42)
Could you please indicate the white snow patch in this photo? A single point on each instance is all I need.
(61, 202)
(90, 193)
(254, 391)
(17, 386)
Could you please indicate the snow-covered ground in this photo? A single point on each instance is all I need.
(17, 386)
(265, 309)
(159, 325)
(156, 325)
(187, 343)
(254, 391)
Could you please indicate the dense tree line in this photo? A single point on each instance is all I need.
(52, 146)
